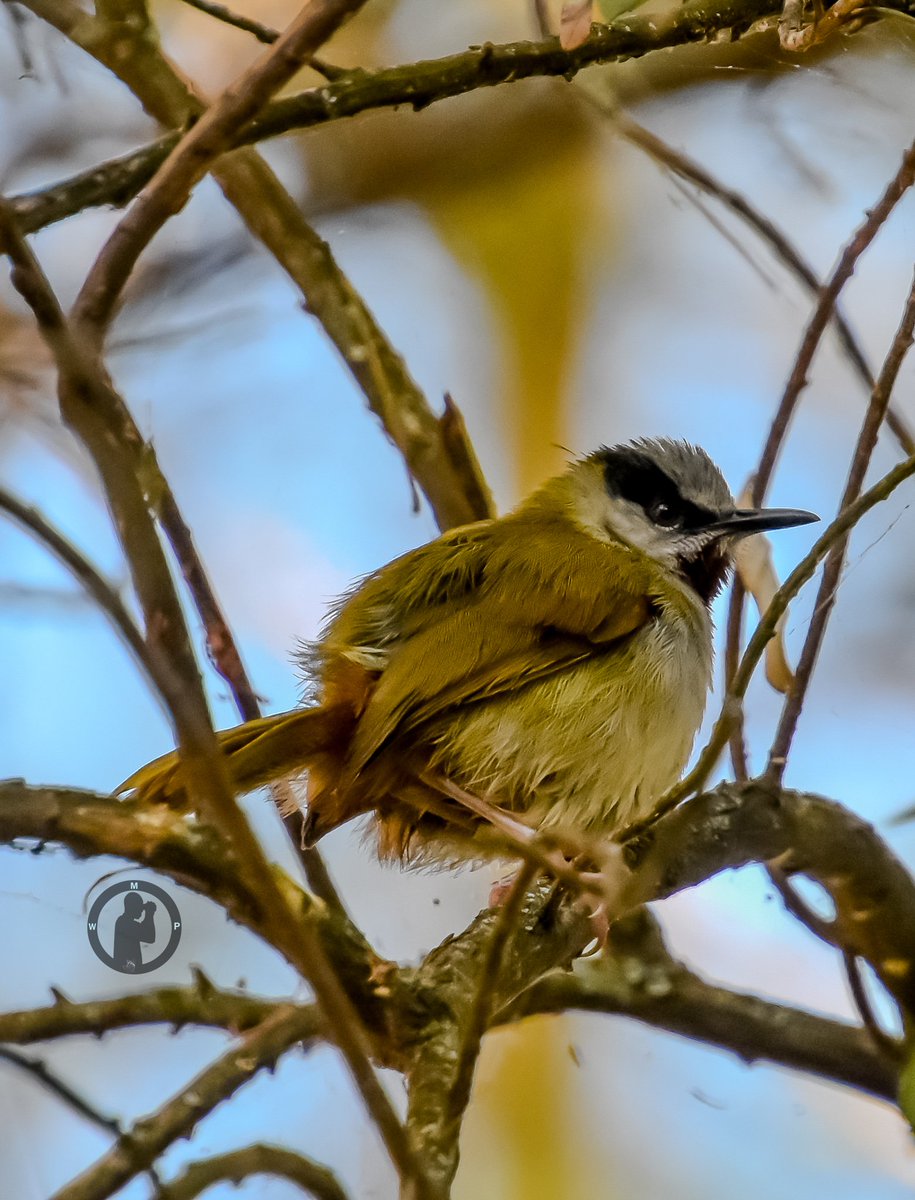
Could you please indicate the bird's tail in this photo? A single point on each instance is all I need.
(257, 753)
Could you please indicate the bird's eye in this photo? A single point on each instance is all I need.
(665, 514)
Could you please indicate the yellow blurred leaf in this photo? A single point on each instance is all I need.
(757, 574)
(531, 232)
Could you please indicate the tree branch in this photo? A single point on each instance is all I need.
(98, 588)
(259, 1159)
(92, 407)
(823, 313)
(736, 824)
(416, 84)
(637, 977)
(436, 449)
(41, 1072)
(832, 569)
(199, 1004)
(193, 854)
(445, 990)
(139, 1147)
(170, 188)
(682, 166)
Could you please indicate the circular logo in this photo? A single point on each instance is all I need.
(134, 926)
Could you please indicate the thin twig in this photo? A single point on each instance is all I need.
(797, 380)
(96, 586)
(478, 1015)
(260, 1159)
(884, 1043)
(825, 930)
(263, 33)
(765, 630)
(832, 569)
(225, 656)
(843, 271)
(733, 636)
(682, 165)
(42, 1073)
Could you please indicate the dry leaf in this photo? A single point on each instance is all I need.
(575, 23)
(757, 574)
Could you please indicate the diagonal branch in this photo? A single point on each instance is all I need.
(96, 586)
(832, 569)
(684, 167)
(42, 1074)
(193, 854)
(797, 381)
(445, 990)
(436, 449)
(170, 188)
(91, 407)
(137, 1149)
(479, 1013)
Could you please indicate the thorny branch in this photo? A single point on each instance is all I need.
(139, 1147)
(417, 84)
(201, 1003)
(421, 1018)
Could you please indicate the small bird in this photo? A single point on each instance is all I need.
(549, 668)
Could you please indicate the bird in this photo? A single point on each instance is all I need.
(546, 670)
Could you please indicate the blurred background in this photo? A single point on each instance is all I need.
(568, 293)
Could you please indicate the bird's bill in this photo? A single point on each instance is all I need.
(759, 520)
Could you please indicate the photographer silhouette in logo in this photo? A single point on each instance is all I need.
(134, 926)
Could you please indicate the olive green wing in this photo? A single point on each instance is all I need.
(548, 597)
(403, 596)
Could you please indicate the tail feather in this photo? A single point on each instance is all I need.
(257, 753)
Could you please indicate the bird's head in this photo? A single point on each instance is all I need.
(668, 499)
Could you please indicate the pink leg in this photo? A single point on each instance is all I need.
(515, 830)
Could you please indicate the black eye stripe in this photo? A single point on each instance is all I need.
(634, 476)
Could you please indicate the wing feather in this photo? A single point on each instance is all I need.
(512, 619)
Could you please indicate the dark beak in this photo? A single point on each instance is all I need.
(757, 520)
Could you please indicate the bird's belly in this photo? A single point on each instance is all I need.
(594, 746)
